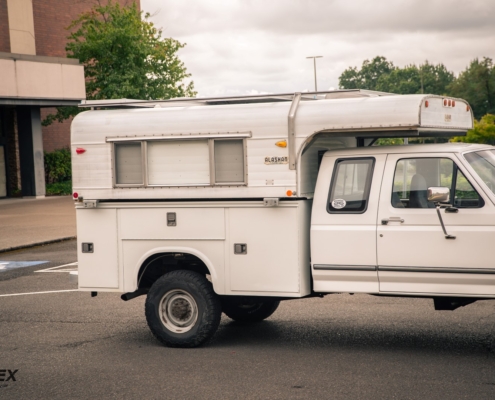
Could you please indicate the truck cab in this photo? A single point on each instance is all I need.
(374, 230)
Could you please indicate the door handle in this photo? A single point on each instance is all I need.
(392, 219)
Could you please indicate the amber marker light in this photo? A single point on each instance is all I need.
(281, 143)
(80, 150)
(289, 193)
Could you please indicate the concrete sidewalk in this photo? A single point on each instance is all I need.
(27, 222)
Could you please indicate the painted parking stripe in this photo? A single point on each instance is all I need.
(51, 291)
(8, 265)
(56, 269)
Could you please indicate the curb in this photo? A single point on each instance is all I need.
(27, 246)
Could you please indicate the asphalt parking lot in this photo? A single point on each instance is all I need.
(65, 344)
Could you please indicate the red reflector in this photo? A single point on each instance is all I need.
(426, 103)
(80, 150)
(75, 195)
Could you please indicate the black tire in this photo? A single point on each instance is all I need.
(182, 309)
(248, 309)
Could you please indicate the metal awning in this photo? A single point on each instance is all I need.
(10, 101)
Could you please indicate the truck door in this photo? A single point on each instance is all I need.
(343, 224)
(414, 255)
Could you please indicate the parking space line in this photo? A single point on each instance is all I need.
(51, 291)
(10, 265)
(56, 269)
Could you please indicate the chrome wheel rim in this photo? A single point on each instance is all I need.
(178, 311)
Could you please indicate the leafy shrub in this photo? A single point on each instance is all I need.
(58, 166)
(483, 131)
(59, 188)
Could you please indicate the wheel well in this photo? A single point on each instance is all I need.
(161, 263)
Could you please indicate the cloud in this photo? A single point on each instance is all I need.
(323, 16)
(241, 46)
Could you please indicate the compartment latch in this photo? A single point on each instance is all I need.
(171, 219)
(240, 248)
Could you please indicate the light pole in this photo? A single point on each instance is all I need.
(314, 64)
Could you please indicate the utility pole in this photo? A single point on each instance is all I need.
(421, 77)
(314, 65)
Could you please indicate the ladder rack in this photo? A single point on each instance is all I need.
(209, 101)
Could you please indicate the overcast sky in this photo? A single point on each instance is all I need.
(260, 46)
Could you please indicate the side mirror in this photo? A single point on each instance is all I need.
(438, 194)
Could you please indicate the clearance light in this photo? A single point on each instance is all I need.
(427, 104)
(80, 150)
(281, 143)
(290, 193)
(448, 103)
(468, 108)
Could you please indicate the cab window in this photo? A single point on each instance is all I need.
(413, 176)
(350, 186)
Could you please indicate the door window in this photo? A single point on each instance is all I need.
(350, 186)
(413, 176)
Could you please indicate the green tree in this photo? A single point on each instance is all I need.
(476, 84)
(483, 131)
(427, 78)
(124, 56)
(367, 77)
(380, 74)
(435, 79)
(405, 80)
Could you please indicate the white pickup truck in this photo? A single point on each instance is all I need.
(234, 204)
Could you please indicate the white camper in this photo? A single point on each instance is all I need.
(233, 204)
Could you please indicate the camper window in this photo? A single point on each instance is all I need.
(229, 161)
(191, 162)
(128, 164)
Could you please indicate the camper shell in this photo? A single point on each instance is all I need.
(247, 147)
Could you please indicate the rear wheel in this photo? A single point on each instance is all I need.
(248, 309)
(182, 309)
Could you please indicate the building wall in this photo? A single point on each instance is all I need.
(57, 135)
(51, 18)
(21, 26)
(4, 27)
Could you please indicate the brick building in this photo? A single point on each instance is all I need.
(35, 77)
